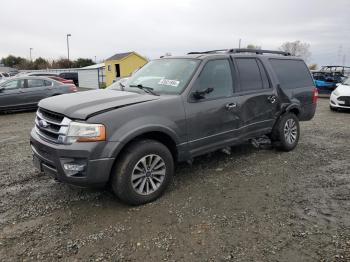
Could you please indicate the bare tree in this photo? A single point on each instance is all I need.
(297, 48)
(251, 46)
(313, 66)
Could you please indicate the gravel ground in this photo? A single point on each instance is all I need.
(252, 205)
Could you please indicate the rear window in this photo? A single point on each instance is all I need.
(291, 73)
(35, 83)
(47, 83)
(249, 74)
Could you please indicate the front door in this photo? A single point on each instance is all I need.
(210, 108)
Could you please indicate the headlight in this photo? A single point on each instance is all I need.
(335, 92)
(82, 132)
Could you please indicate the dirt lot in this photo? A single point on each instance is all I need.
(254, 205)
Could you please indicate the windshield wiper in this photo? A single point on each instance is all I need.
(145, 88)
(122, 86)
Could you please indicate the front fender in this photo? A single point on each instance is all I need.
(140, 126)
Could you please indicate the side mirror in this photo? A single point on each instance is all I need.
(201, 94)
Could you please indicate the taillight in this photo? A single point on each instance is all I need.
(314, 96)
(73, 88)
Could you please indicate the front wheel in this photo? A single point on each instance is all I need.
(286, 132)
(143, 172)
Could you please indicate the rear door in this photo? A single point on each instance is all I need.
(257, 101)
(10, 95)
(36, 89)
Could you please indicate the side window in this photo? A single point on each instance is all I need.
(264, 77)
(20, 83)
(291, 73)
(35, 83)
(216, 74)
(249, 74)
(47, 83)
(11, 85)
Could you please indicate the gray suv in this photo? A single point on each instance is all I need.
(171, 110)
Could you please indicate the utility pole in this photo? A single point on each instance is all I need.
(30, 53)
(239, 43)
(68, 35)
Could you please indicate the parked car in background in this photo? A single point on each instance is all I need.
(25, 92)
(327, 78)
(172, 110)
(340, 97)
(39, 74)
(70, 75)
(62, 80)
(4, 76)
(13, 73)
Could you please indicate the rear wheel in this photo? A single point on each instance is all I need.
(285, 135)
(143, 172)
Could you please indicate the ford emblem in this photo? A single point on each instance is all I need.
(43, 123)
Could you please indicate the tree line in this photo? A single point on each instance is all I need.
(295, 48)
(40, 63)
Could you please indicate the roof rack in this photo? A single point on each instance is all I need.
(208, 52)
(243, 50)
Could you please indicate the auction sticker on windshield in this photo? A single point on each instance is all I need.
(168, 82)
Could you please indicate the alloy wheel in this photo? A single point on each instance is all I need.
(290, 131)
(148, 174)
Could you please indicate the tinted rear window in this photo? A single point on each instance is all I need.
(249, 74)
(291, 73)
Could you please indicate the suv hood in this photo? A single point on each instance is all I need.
(83, 105)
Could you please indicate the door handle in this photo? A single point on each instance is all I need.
(272, 99)
(230, 106)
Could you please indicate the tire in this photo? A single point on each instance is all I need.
(286, 132)
(131, 181)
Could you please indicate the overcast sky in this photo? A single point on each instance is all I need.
(102, 28)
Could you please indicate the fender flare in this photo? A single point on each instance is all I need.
(124, 140)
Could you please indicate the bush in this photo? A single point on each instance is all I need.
(103, 85)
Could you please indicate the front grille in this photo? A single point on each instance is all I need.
(345, 99)
(51, 126)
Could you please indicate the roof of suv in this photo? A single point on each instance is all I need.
(236, 52)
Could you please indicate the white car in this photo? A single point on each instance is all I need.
(340, 97)
(4, 76)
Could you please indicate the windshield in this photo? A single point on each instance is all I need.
(347, 82)
(164, 76)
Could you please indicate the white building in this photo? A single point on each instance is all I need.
(92, 76)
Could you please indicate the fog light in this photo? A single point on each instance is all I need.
(73, 168)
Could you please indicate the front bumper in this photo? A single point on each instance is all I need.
(95, 156)
(335, 103)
